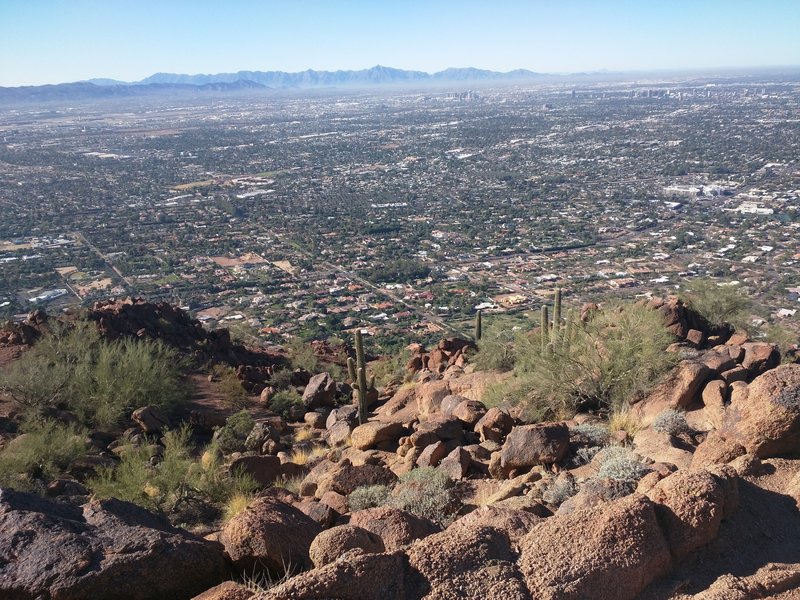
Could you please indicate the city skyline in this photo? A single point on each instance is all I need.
(51, 42)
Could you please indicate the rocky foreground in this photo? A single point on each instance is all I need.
(533, 511)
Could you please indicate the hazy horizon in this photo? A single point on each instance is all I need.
(56, 42)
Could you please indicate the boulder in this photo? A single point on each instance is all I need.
(449, 403)
(716, 450)
(690, 506)
(345, 477)
(354, 576)
(320, 391)
(470, 563)
(456, 464)
(661, 447)
(445, 428)
(766, 420)
(514, 523)
(760, 357)
(332, 543)
(609, 553)
(229, 590)
(339, 433)
(432, 455)
(263, 469)
(104, 549)
(680, 389)
(469, 412)
(375, 433)
(429, 396)
(529, 445)
(348, 413)
(395, 527)
(270, 535)
(150, 419)
(495, 425)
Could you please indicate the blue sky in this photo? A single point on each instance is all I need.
(52, 41)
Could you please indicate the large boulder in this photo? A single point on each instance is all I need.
(514, 523)
(320, 391)
(609, 553)
(471, 563)
(690, 506)
(529, 445)
(375, 434)
(270, 535)
(106, 549)
(680, 389)
(494, 426)
(766, 419)
(332, 543)
(263, 469)
(760, 357)
(345, 477)
(354, 576)
(150, 419)
(395, 527)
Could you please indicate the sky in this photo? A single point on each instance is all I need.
(55, 41)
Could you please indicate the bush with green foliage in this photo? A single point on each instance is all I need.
(40, 454)
(368, 496)
(174, 480)
(231, 436)
(718, 304)
(283, 401)
(101, 381)
(617, 355)
(229, 386)
(496, 349)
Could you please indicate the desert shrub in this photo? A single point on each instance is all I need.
(230, 386)
(302, 356)
(231, 436)
(390, 369)
(718, 304)
(619, 354)
(101, 381)
(42, 453)
(617, 462)
(621, 419)
(177, 479)
(583, 456)
(426, 492)
(283, 401)
(671, 422)
(591, 434)
(281, 379)
(496, 350)
(368, 496)
(608, 489)
(559, 490)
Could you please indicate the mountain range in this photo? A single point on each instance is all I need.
(168, 83)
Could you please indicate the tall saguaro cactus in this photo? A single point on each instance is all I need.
(358, 376)
(556, 315)
(545, 328)
(478, 326)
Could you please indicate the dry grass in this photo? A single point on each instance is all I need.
(304, 435)
(301, 456)
(622, 420)
(290, 485)
(236, 504)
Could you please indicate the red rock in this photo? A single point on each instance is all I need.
(495, 425)
(332, 543)
(529, 445)
(432, 455)
(395, 527)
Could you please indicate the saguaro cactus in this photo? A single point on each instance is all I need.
(545, 328)
(478, 326)
(556, 315)
(358, 376)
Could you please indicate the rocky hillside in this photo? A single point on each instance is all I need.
(692, 491)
